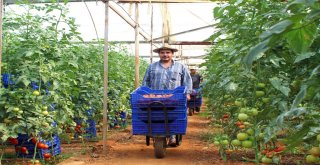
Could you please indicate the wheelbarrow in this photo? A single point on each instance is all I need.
(161, 141)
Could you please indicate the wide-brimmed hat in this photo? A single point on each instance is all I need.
(193, 67)
(165, 47)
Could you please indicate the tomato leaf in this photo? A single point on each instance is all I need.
(255, 52)
(303, 56)
(315, 71)
(276, 29)
(276, 83)
(301, 38)
(299, 97)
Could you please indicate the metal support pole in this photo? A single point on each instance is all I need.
(151, 35)
(137, 62)
(1, 13)
(105, 77)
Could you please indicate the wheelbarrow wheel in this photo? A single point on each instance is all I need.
(160, 147)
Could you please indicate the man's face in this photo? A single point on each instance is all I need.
(165, 55)
(193, 71)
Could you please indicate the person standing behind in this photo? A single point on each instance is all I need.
(167, 74)
(196, 78)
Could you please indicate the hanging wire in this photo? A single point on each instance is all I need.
(94, 25)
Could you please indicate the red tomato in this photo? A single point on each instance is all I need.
(45, 146)
(238, 123)
(47, 155)
(279, 149)
(13, 141)
(40, 145)
(242, 126)
(24, 150)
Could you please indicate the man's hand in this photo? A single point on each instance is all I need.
(188, 97)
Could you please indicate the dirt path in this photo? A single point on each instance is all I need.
(125, 149)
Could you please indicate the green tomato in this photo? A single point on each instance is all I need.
(243, 110)
(236, 142)
(238, 103)
(312, 159)
(261, 85)
(247, 123)
(224, 142)
(318, 137)
(247, 144)
(45, 108)
(266, 160)
(254, 111)
(216, 143)
(242, 136)
(20, 112)
(266, 100)
(243, 116)
(16, 109)
(260, 93)
(36, 93)
(45, 113)
(250, 131)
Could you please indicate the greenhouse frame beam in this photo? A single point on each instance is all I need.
(164, 1)
(129, 21)
(155, 42)
(183, 56)
(183, 32)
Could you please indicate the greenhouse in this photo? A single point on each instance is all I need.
(159, 82)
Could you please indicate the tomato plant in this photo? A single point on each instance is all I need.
(267, 54)
(55, 80)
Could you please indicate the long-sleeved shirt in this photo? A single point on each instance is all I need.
(159, 78)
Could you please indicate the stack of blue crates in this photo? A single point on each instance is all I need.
(119, 119)
(91, 130)
(25, 141)
(176, 106)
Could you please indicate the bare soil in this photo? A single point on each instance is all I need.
(127, 149)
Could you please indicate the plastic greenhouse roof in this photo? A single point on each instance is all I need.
(184, 17)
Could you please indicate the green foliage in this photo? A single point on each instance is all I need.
(39, 49)
(270, 42)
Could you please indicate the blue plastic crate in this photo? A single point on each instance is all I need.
(53, 150)
(178, 98)
(25, 140)
(91, 130)
(54, 141)
(159, 115)
(7, 80)
(158, 128)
